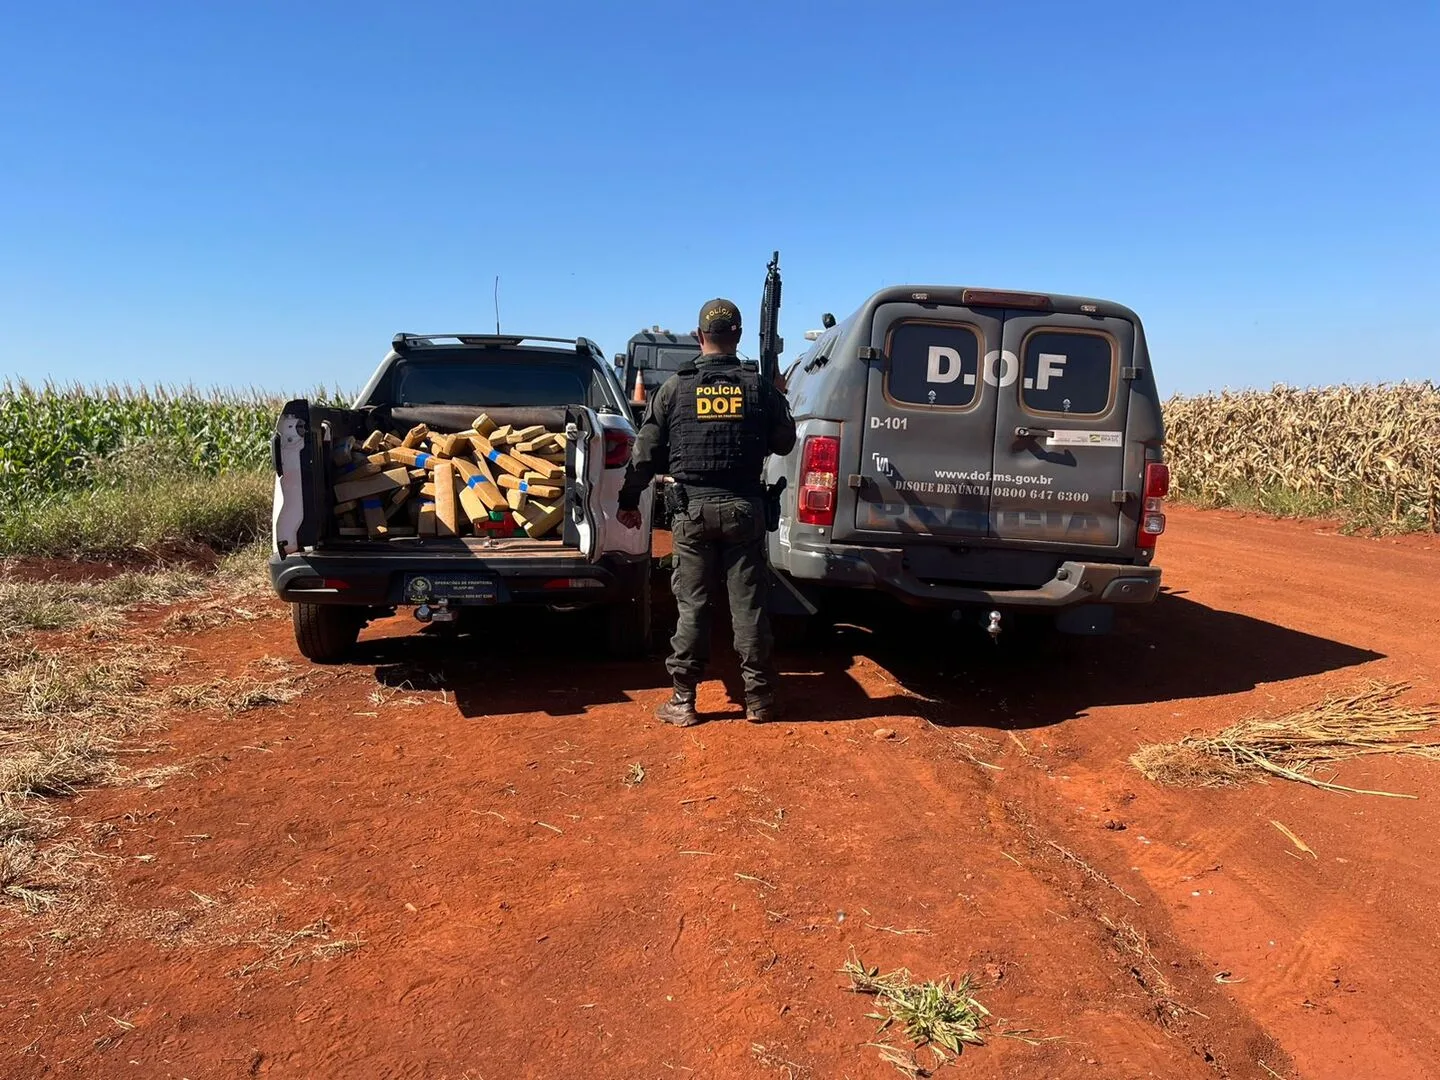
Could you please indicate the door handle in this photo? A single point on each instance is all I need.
(1033, 433)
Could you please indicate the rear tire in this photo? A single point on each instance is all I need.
(627, 624)
(325, 633)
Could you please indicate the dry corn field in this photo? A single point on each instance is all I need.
(1371, 451)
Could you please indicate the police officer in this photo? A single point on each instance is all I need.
(710, 426)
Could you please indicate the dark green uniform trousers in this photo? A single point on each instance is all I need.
(714, 540)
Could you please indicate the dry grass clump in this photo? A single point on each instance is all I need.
(134, 588)
(27, 874)
(1370, 453)
(16, 654)
(312, 942)
(65, 605)
(212, 616)
(239, 587)
(243, 573)
(54, 770)
(80, 696)
(236, 695)
(940, 1014)
(26, 606)
(1339, 728)
(235, 590)
(17, 824)
(37, 877)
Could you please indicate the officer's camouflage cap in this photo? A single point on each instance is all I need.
(719, 317)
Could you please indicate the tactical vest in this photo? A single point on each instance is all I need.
(717, 427)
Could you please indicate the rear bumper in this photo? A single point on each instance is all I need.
(884, 569)
(370, 581)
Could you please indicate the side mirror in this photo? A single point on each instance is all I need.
(827, 320)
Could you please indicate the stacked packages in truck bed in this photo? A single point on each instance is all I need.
(487, 481)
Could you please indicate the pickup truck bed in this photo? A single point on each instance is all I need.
(336, 583)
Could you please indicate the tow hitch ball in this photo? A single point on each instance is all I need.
(994, 628)
(441, 612)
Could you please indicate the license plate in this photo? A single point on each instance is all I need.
(463, 587)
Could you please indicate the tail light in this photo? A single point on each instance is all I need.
(819, 468)
(617, 448)
(317, 584)
(637, 395)
(996, 298)
(572, 583)
(1152, 512)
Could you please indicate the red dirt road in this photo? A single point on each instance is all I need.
(461, 809)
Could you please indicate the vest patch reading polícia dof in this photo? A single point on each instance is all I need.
(719, 402)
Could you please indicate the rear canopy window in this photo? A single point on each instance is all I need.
(934, 364)
(664, 358)
(1067, 372)
(495, 380)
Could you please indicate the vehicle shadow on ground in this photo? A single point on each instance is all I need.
(1173, 649)
(528, 662)
(888, 664)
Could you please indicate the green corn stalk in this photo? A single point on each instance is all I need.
(57, 439)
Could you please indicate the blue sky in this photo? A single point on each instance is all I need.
(263, 192)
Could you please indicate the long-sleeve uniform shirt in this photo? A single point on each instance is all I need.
(651, 455)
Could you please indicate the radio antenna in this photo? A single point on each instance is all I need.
(497, 305)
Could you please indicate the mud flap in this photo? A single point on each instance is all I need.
(1086, 620)
(783, 598)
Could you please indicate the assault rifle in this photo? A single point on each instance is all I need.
(771, 343)
(771, 346)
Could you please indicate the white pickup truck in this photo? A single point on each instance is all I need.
(337, 583)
